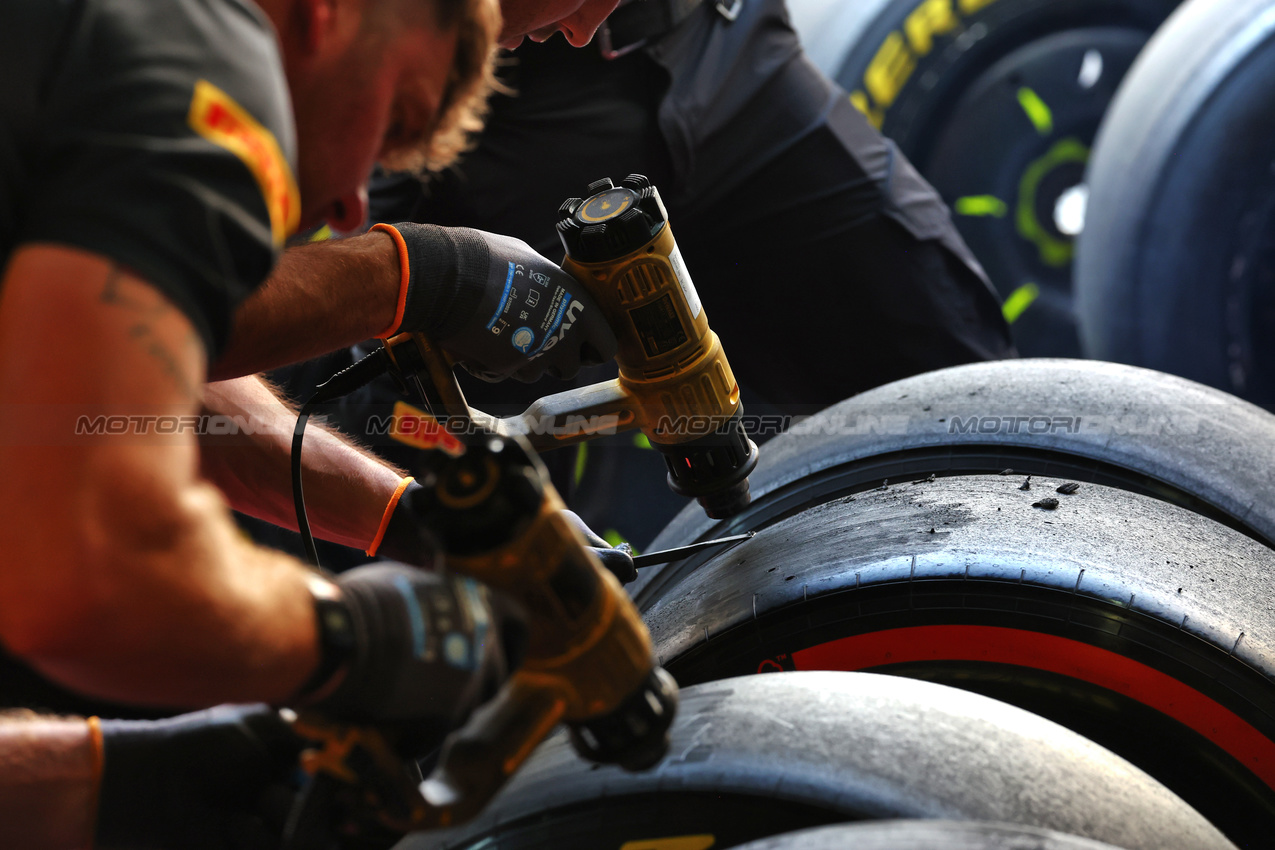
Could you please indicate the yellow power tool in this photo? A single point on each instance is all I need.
(491, 514)
(675, 383)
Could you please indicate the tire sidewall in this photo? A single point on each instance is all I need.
(1181, 181)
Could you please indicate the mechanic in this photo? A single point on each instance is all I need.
(148, 153)
(826, 263)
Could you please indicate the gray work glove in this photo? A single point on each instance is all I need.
(494, 304)
(405, 541)
(617, 559)
(221, 779)
(423, 650)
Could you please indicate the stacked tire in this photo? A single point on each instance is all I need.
(997, 103)
(766, 755)
(1086, 541)
(1063, 567)
(1176, 268)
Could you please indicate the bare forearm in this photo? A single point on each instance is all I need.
(153, 596)
(346, 488)
(125, 577)
(46, 783)
(185, 613)
(320, 298)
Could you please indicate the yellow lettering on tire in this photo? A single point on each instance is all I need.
(889, 70)
(931, 18)
(681, 842)
(876, 117)
(896, 58)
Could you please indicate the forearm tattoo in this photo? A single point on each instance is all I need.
(145, 306)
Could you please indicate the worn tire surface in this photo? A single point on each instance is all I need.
(925, 835)
(760, 755)
(1143, 626)
(1176, 267)
(1123, 426)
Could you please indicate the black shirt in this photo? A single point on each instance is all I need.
(158, 134)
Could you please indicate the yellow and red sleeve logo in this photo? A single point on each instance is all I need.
(218, 118)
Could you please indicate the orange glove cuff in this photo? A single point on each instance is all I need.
(97, 765)
(405, 277)
(385, 517)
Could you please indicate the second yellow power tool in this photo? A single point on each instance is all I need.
(490, 513)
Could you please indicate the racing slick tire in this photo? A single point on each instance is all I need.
(761, 755)
(1143, 626)
(1105, 423)
(1186, 457)
(925, 835)
(1176, 267)
(997, 103)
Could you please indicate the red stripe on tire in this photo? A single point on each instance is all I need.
(999, 645)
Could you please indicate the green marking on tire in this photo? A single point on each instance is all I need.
(615, 538)
(640, 440)
(981, 205)
(1038, 112)
(1019, 300)
(1054, 252)
(582, 459)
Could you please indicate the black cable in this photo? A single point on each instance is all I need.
(342, 383)
(298, 498)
